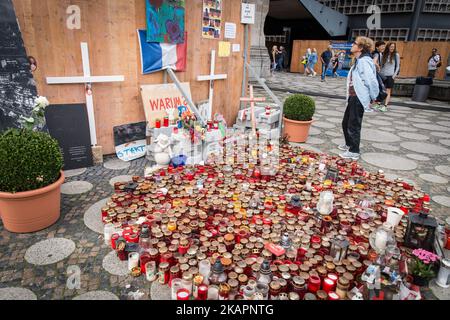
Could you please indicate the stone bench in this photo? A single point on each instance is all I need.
(440, 90)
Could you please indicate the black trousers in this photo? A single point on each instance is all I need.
(352, 122)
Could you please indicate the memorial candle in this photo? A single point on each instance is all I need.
(133, 260)
(202, 293)
(328, 285)
(183, 294)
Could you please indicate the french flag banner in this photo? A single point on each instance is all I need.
(157, 56)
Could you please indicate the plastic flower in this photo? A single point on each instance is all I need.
(41, 102)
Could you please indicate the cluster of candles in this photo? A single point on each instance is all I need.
(230, 231)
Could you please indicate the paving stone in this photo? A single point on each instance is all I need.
(124, 178)
(384, 146)
(442, 200)
(406, 128)
(389, 129)
(389, 161)
(313, 140)
(433, 178)
(419, 120)
(445, 142)
(314, 131)
(334, 120)
(16, 293)
(423, 147)
(76, 187)
(324, 125)
(418, 157)
(378, 136)
(414, 136)
(116, 164)
(443, 169)
(74, 172)
(331, 113)
(92, 217)
(333, 133)
(112, 264)
(443, 123)
(379, 122)
(97, 295)
(432, 127)
(440, 134)
(49, 251)
(439, 292)
(160, 292)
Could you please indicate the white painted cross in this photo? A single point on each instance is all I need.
(87, 80)
(211, 77)
(252, 101)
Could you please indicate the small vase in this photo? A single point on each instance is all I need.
(420, 281)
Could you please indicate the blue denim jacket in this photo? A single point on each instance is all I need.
(364, 80)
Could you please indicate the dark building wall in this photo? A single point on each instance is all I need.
(404, 20)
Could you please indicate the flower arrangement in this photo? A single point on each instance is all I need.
(192, 126)
(423, 263)
(37, 119)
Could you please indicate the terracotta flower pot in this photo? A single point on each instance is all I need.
(33, 210)
(297, 131)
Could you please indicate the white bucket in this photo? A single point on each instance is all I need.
(394, 216)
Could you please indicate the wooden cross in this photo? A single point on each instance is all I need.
(87, 80)
(252, 101)
(211, 77)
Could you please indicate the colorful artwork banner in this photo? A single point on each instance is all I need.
(165, 21)
(212, 19)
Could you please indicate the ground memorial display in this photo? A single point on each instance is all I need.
(291, 231)
(69, 125)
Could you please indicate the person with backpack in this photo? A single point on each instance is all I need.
(378, 54)
(362, 90)
(390, 69)
(434, 62)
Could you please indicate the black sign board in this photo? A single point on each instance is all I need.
(69, 124)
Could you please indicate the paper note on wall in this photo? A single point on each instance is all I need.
(230, 30)
(236, 47)
(224, 49)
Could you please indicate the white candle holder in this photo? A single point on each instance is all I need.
(444, 273)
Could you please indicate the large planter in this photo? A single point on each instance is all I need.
(33, 210)
(297, 131)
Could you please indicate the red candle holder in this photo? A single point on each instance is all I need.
(144, 258)
(314, 284)
(157, 123)
(328, 285)
(202, 292)
(166, 122)
(114, 238)
(333, 296)
(183, 294)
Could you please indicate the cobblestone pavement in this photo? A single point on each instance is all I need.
(412, 144)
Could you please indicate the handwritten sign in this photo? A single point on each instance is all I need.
(160, 100)
(130, 141)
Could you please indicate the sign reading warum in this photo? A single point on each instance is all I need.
(160, 100)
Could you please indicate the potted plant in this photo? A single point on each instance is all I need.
(423, 264)
(298, 112)
(31, 175)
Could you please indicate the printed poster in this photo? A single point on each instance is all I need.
(165, 21)
(212, 19)
(160, 99)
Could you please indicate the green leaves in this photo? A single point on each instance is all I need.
(29, 160)
(299, 107)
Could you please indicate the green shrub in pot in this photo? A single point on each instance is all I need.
(299, 107)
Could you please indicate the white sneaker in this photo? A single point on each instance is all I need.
(350, 155)
(343, 147)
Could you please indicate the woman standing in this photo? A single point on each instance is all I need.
(274, 55)
(389, 70)
(313, 58)
(308, 54)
